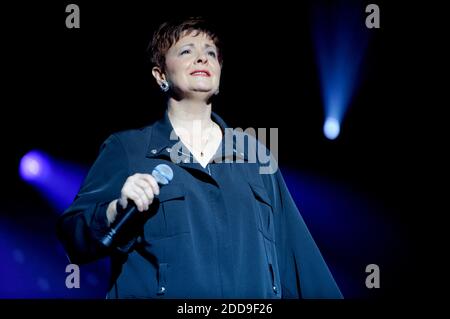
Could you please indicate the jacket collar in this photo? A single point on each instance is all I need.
(163, 138)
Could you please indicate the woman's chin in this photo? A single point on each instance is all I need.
(201, 93)
(203, 89)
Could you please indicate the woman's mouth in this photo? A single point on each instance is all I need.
(201, 73)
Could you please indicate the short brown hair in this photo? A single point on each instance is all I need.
(170, 32)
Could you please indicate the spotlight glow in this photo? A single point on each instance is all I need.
(32, 166)
(57, 180)
(340, 44)
(331, 128)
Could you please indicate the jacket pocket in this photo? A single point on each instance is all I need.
(171, 217)
(264, 211)
(265, 224)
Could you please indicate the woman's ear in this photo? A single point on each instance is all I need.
(159, 75)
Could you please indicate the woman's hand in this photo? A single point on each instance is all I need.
(140, 188)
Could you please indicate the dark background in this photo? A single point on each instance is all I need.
(66, 90)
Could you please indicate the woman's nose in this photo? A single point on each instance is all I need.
(201, 58)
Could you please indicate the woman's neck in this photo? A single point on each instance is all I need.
(187, 112)
(193, 125)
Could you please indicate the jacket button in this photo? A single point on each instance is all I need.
(162, 290)
(168, 149)
(275, 289)
(154, 151)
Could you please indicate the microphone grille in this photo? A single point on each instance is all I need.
(163, 174)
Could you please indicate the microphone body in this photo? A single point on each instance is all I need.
(163, 175)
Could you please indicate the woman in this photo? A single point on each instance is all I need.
(220, 228)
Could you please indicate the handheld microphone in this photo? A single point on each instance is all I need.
(163, 175)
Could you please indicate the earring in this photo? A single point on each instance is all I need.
(164, 86)
(217, 92)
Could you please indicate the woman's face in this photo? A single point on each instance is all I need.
(192, 65)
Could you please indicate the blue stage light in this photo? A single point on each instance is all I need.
(34, 166)
(340, 40)
(331, 128)
(56, 180)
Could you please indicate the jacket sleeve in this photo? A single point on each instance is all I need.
(304, 273)
(84, 223)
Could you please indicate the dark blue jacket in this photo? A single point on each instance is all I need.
(224, 231)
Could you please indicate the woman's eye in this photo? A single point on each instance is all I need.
(185, 51)
(212, 53)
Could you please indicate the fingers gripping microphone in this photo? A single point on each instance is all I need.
(163, 175)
